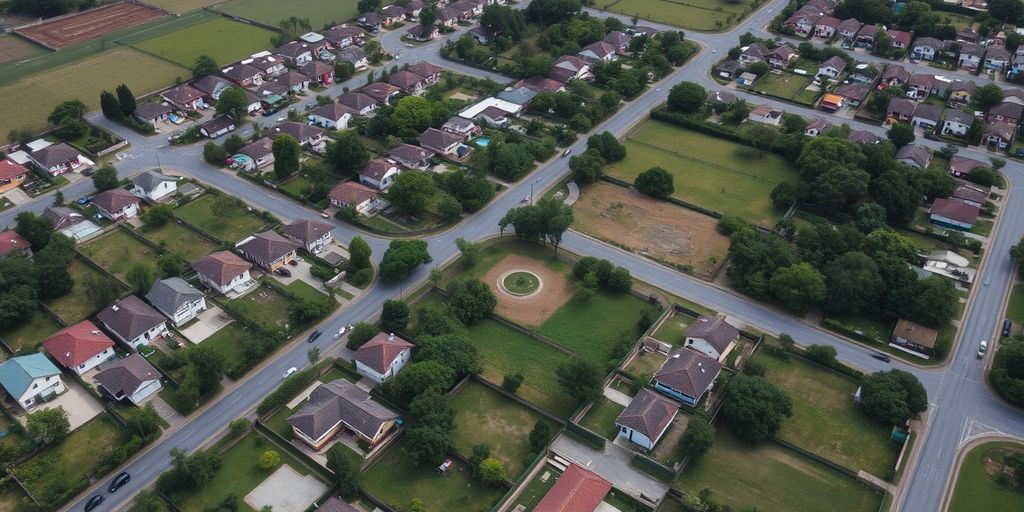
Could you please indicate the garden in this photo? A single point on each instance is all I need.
(265, 306)
(230, 341)
(788, 86)
(231, 227)
(981, 483)
(223, 39)
(600, 418)
(78, 304)
(118, 252)
(177, 238)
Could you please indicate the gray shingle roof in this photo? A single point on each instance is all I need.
(150, 179)
(169, 294)
(129, 317)
(125, 376)
(714, 330)
(688, 372)
(338, 401)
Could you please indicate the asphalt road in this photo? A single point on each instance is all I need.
(961, 404)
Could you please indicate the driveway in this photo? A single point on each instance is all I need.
(79, 404)
(207, 323)
(613, 464)
(16, 196)
(301, 272)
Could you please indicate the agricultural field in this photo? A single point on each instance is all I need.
(28, 101)
(118, 252)
(13, 47)
(270, 12)
(710, 15)
(27, 337)
(675, 235)
(976, 486)
(62, 32)
(177, 238)
(223, 39)
(77, 305)
(231, 230)
(709, 172)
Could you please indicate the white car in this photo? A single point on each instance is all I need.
(982, 348)
(290, 372)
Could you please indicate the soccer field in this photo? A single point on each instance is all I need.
(224, 40)
(271, 12)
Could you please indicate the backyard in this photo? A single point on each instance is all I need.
(601, 417)
(230, 341)
(534, 490)
(177, 238)
(265, 306)
(710, 172)
(270, 12)
(710, 15)
(27, 337)
(976, 487)
(118, 252)
(593, 327)
(230, 230)
(77, 305)
(673, 329)
(223, 39)
(783, 85)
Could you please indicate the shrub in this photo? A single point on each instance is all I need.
(511, 382)
(270, 459)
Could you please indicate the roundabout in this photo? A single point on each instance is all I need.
(520, 283)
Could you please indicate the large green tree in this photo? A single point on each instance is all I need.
(798, 287)
(894, 396)
(471, 300)
(346, 467)
(286, 156)
(402, 257)
(411, 115)
(346, 153)
(579, 379)
(412, 191)
(686, 97)
(655, 182)
(755, 408)
(853, 283)
(232, 103)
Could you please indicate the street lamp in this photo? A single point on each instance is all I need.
(532, 183)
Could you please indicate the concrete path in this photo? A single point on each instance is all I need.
(613, 464)
(166, 412)
(617, 396)
(574, 193)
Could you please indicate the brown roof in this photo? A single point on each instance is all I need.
(129, 317)
(356, 100)
(183, 94)
(577, 490)
(54, 155)
(969, 193)
(956, 210)
(895, 71)
(410, 153)
(301, 131)
(438, 139)
(307, 230)
(1007, 109)
(10, 170)
(267, 246)
(854, 91)
(962, 165)
(11, 241)
(338, 401)
(221, 267)
(334, 504)
(901, 106)
(688, 372)
(405, 79)
(377, 168)
(351, 193)
(74, 345)
(316, 69)
(381, 91)
(241, 72)
(126, 376)
(333, 111)
(648, 413)
(714, 330)
(258, 149)
(539, 84)
(115, 199)
(381, 351)
(917, 334)
(919, 154)
(999, 128)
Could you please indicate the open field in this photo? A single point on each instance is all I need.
(118, 252)
(711, 15)
(678, 236)
(709, 172)
(1015, 308)
(69, 30)
(180, 6)
(27, 337)
(223, 39)
(265, 306)
(440, 493)
(76, 305)
(783, 85)
(593, 327)
(28, 101)
(534, 309)
(825, 420)
(13, 47)
(180, 239)
(270, 12)
(485, 416)
(601, 417)
(976, 487)
(230, 230)
(773, 479)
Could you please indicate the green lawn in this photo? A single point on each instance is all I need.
(27, 337)
(319, 12)
(594, 326)
(535, 489)
(1015, 308)
(230, 230)
(976, 489)
(304, 290)
(396, 480)
(783, 85)
(486, 416)
(298, 185)
(711, 15)
(772, 479)
(709, 171)
(221, 38)
(76, 305)
(14, 444)
(230, 341)
(490, 256)
(601, 417)
(825, 420)
(983, 228)
(180, 6)
(646, 363)
(118, 252)
(178, 238)
(265, 306)
(673, 329)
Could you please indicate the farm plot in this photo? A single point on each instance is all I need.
(977, 487)
(177, 238)
(220, 38)
(77, 305)
(69, 30)
(180, 6)
(229, 229)
(270, 12)
(118, 252)
(678, 236)
(708, 171)
(711, 15)
(15, 48)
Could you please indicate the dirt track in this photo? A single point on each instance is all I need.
(534, 309)
(73, 29)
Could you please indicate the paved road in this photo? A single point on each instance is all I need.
(961, 405)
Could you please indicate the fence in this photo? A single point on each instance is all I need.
(586, 435)
(517, 399)
(287, 446)
(653, 467)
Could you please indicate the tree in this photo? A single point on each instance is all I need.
(755, 407)
(313, 355)
(286, 155)
(345, 465)
(233, 143)
(893, 397)
(1017, 255)
(58, 198)
(428, 17)
(343, 71)
(421, 376)
(686, 97)
(359, 254)
(394, 315)
(471, 300)
(988, 96)
(232, 103)
(346, 154)
(269, 459)
(291, 29)
(204, 65)
(798, 287)
(610, 149)
(579, 379)
(368, 5)
(853, 283)
(509, 161)
(901, 134)
(105, 178)
(35, 229)
(540, 436)
(454, 350)
(141, 277)
(214, 153)
(110, 107)
(655, 182)
(360, 333)
(512, 381)
(157, 216)
(762, 137)
(1007, 11)
(209, 368)
(71, 109)
(840, 187)
(411, 115)
(48, 425)
(402, 257)
(492, 471)
(545, 221)
(549, 12)
(698, 436)
(417, 505)
(148, 501)
(470, 251)
(870, 216)
(935, 302)
(586, 168)
(822, 354)
(172, 264)
(126, 99)
(411, 191)
(100, 290)
(822, 153)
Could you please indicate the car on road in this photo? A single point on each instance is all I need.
(881, 357)
(982, 348)
(566, 153)
(283, 272)
(313, 336)
(291, 371)
(93, 502)
(325, 215)
(951, 149)
(86, 200)
(1020, 153)
(119, 481)
(89, 172)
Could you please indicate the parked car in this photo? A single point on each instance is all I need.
(881, 357)
(313, 336)
(89, 172)
(290, 372)
(284, 272)
(982, 348)
(1007, 326)
(1020, 153)
(118, 481)
(931, 136)
(86, 200)
(93, 502)
(566, 153)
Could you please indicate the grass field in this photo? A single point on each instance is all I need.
(709, 172)
(825, 420)
(265, 306)
(711, 15)
(485, 416)
(28, 336)
(230, 341)
(76, 305)
(976, 489)
(230, 230)
(224, 40)
(177, 238)
(593, 327)
(298, 185)
(674, 329)
(601, 417)
(783, 85)
(319, 12)
(180, 6)
(28, 101)
(772, 479)
(304, 290)
(118, 252)
(452, 491)
(14, 48)
(1015, 308)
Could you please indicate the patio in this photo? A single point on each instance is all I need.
(206, 324)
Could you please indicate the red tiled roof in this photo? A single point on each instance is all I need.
(12, 241)
(351, 193)
(381, 351)
(577, 490)
(10, 170)
(222, 266)
(74, 345)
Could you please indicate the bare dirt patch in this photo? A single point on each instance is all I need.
(14, 48)
(555, 291)
(65, 31)
(661, 230)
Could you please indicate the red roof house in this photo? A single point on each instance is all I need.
(80, 347)
(11, 242)
(383, 356)
(577, 490)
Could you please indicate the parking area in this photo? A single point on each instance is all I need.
(79, 404)
(614, 464)
(206, 324)
(301, 272)
(285, 491)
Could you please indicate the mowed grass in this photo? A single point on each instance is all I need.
(13, 47)
(601, 417)
(825, 420)
(27, 337)
(773, 479)
(28, 101)
(708, 171)
(271, 12)
(673, 329)
(1015, 308)
(976, 489)
(692, 14)
(118, 252)
(224, 40)
(180, 239)
(180, 6)
(486, 416)
(265, 306)
(396, 480)
(783, 85)
(76, 305)
(304, 290)
(594, 326)
(230, 341)
(231, 230)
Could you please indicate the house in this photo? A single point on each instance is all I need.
(408, 82)
(335, 504)
(12, 174)
(926, 116)
(80, 347)
(294, 82)
(393, 11)
(355, 195)
(332, 116)
(211, 86)
(711, 336)
(765, 114)
(999, 134)
(314, 235)
(863, 137)
(804, 20)
(358, 102)
(482, 34)
(972, 194)
(900, 110)
(913, 338)
(356, 56)
(781, 57)
(967, 34)
(133, 322)
(12, 243)
(570, 67)
(970, 56)
(826, 27)
(441, 142)
(599, 51)
(950, 50)
(1013, 95)
(411, 157)
(379, 174)
(269, 65)
(372, 21)
(914, 155)
(687, 375)
(461, 126)
(925, 48)
(57, 159)
(997, 59)
(618, 39)
(224, 272)
(268, 250)
(152, 112)
(177, 300)
(1007, 112)
(309, 136)
(70, 223)
(184, 97)
(260, 152)
(131, 378)
(540, 84)
(960, 167)
(853, 93)
(831, 102)
(577, 490)
(920, 85)
(719, 101)
(320, 73)
(752, 54)
(960, 93)
(831, 67)
(956, 122)
(865, 37)
(866, 73)
(646, 418)
(418, 33)
(848, 28)
(894, 76)
(431, 74)
(244, 75)
(900, 38)
(31, 380)
(517, 96)
(383, 357)
(952, 213)
(217, 127)
(728, 68)
(296, 53)
(117, 204)
(343, 36)
(746, 79)
(493, 116)
(817, 126)
(339, 406)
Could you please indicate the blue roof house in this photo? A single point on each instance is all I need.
(31, 380)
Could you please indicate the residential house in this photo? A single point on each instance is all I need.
(356, 56)
(970, 56)
(379, 174)
(296, 53)
(411, 157)
(720, 101)
(900, 38)
(972, 193)
(117, 204)
(900, 110)
(728, 69)
(941, 85)
(407, 82)
(925, 48)
(577, 490)
(383, 357)
(441, 142)
(926, 116)
(12, 175)
(960, 93)
(687, 375)
(960, 167)
(914, 155)
(746, 79)
(570, 67)
(831, 102)
(244, 75)
(152, 112)
(211, 86)
(332, 116)
(952, 213)
(269, 64)
(133, 322)
(997, 59)
(314, 235)
(31, 380)
(419, 33)
(177, 300)
(618, 39)
(373, 22)
(394, 12)
(493, 116)
(260, 152)
(1013, 95)
(295, 82)
(894, 75)
(362, 104)
(431, 74)
(967, 34)
(865, 37)
(713, 336)
(57, 159)
(998, 134)
(355, 195)
(482, 34)
(646, 418)
(913, 338)
(752, 54)
(184, 97)
(70, 223)
(848, 28)
(956, 122)
(866, 73)
(817, 126)
(217, 127)
(224, 272)
(599, 51)
(517, 96)
(320, 73)
(831, 68)
(268, 249)
(853, 93)
(80, 347)
(781, 57)
(541, 84)
(340, 406)
(950, 50)
(460, 126)
(1016, 65)
(804, 20)
(12, 243)
(863, 137)
(1007, 112)
(309, 136)
(919, 85)
(826, 27)
(131, 378)
(765, 114)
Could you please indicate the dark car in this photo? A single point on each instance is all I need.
(85, 200)
(284, 272)
(118, 481)
(89, 172)
(1007, 326)
(93, 502)
(1020, 152)
(313, 336)
(931, 136)
(881, 357)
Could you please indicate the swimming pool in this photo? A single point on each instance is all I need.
(482, 141)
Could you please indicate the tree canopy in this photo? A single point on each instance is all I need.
(755, 408)
(402, 257)
(894, 396)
